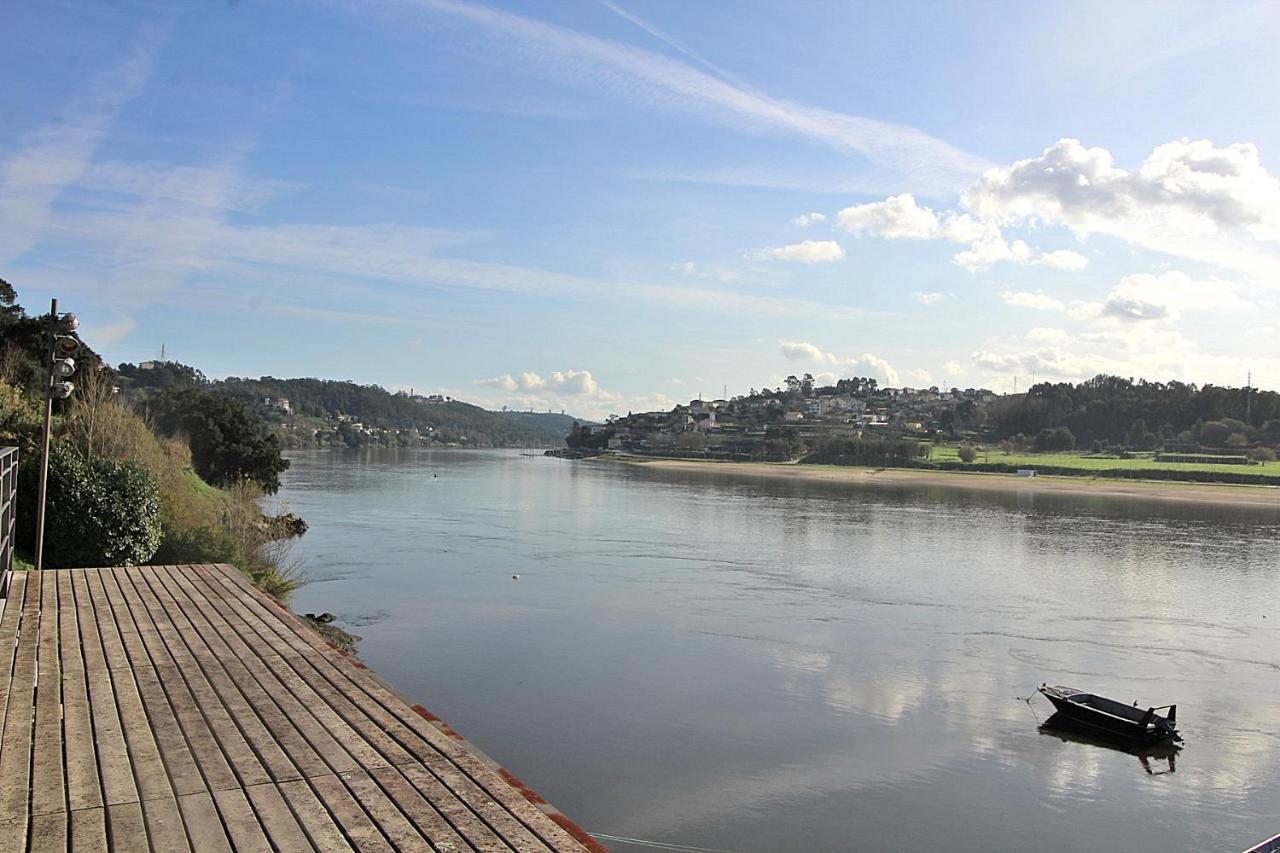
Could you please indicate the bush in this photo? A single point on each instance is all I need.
(229, 441)
(99, 512)
(967, 453)
(1055, 439)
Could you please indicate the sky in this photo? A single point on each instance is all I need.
(606, 206)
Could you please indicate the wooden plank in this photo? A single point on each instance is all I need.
(451, 782)
(144, 753)
(50, 832)
(403, 834)
(362, 832)
(203, 825)
(185, 673)
(15, 743)
(314, 817)
(278, 820)
(48, 785)
(457, 769)
(459, 820)
(84, 790)
(170, 738)
(420, 812)
(118, 785)
(9, 636)
(127, 828)
(164, 825)
(89, 830)
(295, 729)
(342, 746)
(247, 835)
(261, 758)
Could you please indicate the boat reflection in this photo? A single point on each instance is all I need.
(1068, 730)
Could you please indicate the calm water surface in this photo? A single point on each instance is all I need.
(774, 666)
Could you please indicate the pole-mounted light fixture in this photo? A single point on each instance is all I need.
(62, 345)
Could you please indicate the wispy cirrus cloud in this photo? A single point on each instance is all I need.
(52, 157)
(653, 81)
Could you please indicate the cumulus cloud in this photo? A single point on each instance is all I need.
(1189, 197)
(807, 252)
(867, 364)
(802, 351)
(1145, 297)
(1062, 259)
(874, 367)
(901, 218)
(567, 382)
(896, 218)
(577, 391)
(806, 219)
(1037, 301)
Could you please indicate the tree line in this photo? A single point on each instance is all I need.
(1139, 414)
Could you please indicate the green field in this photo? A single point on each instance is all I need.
(1086, 462)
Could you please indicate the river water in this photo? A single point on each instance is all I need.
(752, 665)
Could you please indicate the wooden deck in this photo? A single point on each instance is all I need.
(173, 708)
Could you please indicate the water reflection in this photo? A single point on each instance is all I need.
(759, 666)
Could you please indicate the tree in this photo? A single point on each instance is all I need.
(1215, 434)
(967, 453)
(1139, 437)
(99, 512)
(806, 385)
(229, 441)
(1055, 439)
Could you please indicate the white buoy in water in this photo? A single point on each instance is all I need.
(515, 577)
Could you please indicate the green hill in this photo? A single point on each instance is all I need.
(325, 411)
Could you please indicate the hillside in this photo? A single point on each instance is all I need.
(310, 412)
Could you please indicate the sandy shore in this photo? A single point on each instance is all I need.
(1205, 493)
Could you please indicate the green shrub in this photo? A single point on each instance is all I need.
(967, 453)
(99, 512)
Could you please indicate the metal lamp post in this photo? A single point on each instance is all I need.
(61, 365)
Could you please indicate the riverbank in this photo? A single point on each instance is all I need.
(1208, 493)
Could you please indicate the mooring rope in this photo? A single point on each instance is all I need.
(659, 845)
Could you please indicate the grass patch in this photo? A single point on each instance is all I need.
(1087, 463)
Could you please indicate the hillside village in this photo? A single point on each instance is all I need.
(777, 424)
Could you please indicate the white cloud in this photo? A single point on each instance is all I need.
(807, 252)
(931, 297)
(901, 218)
(874, 367)
(1037, 301)
(504, 382)
(696, 270)
(1188, 198)
(806, 219)
(575, 391)
(867, 364)
(896, 218)
(802, 351)
(1062, 259)
(655, 81)
(53, 157)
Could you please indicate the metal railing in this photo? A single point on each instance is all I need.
(8, 513)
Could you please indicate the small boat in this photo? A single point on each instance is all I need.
(1114, 718)
(1271, 845)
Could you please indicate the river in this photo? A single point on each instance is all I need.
(756, 665)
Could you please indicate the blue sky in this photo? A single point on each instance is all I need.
(607, 206)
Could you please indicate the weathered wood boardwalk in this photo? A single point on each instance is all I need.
(173, 708)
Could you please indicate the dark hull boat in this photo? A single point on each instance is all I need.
(1113, 718)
